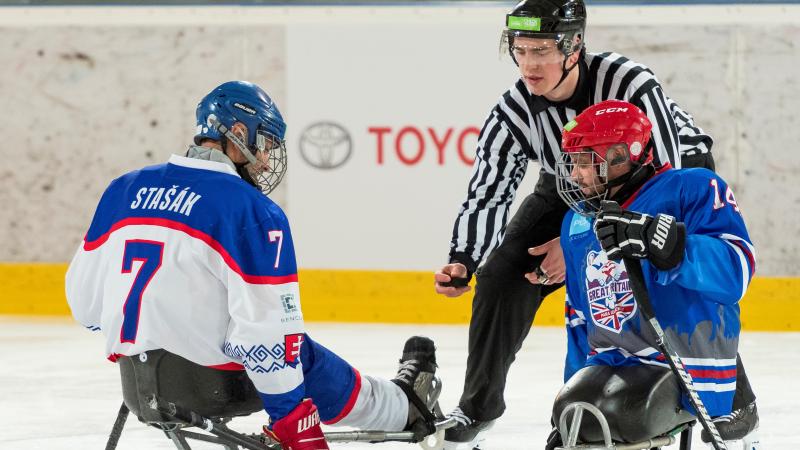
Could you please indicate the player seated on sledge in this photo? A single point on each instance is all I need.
(697, 262)
(192, 257)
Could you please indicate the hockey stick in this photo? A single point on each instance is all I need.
(116, 430)
(642, 297)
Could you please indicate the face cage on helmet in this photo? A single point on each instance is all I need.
(570, 191)
(271, 162)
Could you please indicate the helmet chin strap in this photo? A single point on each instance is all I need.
(227, 135)
(633, 179)
(238, 142)
(630, 182)
(564, 71)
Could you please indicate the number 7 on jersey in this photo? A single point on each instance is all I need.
(150, 254)
(276, 235)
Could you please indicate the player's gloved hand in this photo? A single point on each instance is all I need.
(300, 429)
(622, 233)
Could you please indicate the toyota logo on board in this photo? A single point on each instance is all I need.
(325, 145)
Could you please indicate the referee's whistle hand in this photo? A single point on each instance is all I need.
(446, 274)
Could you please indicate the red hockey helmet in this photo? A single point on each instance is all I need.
(608, 123)
(586, 141)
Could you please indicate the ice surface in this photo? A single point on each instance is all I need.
(58, 392)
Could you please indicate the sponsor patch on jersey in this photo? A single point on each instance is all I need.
(611, 301)
(289, 305)
(293, 342)
(579, 225)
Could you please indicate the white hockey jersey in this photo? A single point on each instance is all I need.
(188, 257)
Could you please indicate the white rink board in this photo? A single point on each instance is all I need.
(57, 392)
(413, 123)
(98, 91)
(405, 83)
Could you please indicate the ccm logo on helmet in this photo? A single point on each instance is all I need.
(610, 110)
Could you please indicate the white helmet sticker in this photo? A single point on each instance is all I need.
(636, 149)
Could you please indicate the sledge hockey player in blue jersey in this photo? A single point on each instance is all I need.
(697, 262)
(192, 257)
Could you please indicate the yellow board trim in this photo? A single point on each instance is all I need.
(771, 304)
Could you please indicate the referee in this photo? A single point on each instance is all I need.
(559, 79)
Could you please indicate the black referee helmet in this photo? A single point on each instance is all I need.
(562, 20)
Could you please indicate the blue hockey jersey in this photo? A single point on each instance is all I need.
(188, 257)
(696, 302)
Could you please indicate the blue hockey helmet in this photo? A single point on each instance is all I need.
(263, 146)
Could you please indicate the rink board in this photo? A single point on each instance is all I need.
(771, 304)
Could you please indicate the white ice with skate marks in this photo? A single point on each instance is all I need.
(57, 392)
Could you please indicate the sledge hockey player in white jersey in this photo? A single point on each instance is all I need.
(192, 257)
(698, 261)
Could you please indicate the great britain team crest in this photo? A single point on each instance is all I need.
(611, 301)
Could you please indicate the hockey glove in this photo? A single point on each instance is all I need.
(300, 429)
(622, 233)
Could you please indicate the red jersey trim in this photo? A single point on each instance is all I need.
(746, 251)
(197, 234)
(712, 373)
(231, 366)
(350, 401)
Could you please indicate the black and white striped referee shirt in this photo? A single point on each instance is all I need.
(523, 127)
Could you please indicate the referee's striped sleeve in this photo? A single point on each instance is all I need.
(651, 99)
(674, 132)
(693, 139)
(500, 165)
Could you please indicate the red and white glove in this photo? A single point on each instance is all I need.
(300, 429)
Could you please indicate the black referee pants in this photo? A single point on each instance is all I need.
(505, 303)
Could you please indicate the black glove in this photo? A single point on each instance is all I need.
(622, 233)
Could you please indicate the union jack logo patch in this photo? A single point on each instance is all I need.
(611, 301)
